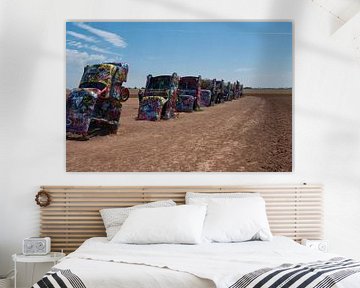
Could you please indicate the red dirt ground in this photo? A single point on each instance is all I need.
(251, 134)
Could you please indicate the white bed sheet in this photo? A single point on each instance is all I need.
(100, 263)
(111, 274)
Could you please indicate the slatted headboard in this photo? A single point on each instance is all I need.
(73, 215)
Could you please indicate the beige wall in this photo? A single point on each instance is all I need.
(32, 80)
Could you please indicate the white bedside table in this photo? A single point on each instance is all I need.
(53, 257)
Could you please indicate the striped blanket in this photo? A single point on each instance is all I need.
(320, 274)
(59, 278)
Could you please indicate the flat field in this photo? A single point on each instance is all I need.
(251, 134)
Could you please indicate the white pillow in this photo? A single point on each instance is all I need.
(236, 220)
(180, 224)
(113, 218)
(204, 198)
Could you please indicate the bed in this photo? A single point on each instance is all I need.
(99, 263)
(294, 211)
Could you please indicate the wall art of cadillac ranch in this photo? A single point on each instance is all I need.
(179, 96)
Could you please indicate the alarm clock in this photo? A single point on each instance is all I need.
(36, 246)
(320, 245)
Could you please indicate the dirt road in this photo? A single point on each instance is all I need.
(250, 134)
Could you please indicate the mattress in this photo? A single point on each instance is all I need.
(99, 263)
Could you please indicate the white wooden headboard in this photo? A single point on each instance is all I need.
(73, 215)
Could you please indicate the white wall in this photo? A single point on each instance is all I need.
(32, 79)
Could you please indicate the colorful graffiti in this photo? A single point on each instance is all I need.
(189, 94)
(227, 92)
(151, 108)
(79, 108)
(237, 89)
(210, 85)
(95, 107)
(104, 74)
(159, 98)
(185, 102)
(219, 91)
(205, 98)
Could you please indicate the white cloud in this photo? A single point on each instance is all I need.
(101, 50)
(84, 58)
(80, 45)
(112, 38)
(75, 63)
(81, 36)
(76, 44)
(244, 69)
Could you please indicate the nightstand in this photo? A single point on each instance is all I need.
(320, 245)
(53, 257)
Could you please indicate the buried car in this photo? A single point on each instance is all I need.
(237, 89)
(228, 96)
(95, 107)
(219, 91)
(207, 96)
(241, 90)
(189, 94)
(159, 98)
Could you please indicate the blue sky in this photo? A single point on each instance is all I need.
(259, 54)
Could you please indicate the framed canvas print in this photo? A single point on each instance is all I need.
(179, 96)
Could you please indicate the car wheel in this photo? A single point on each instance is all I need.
(125, 94)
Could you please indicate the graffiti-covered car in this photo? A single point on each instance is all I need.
(207, 96)
(219, 91)
(95, 107)
(232, 91)
(227, 92)
(189, 94)
(237, 90)
(159, 98)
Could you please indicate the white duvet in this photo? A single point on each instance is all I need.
(100, 263)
